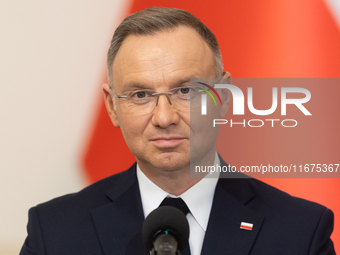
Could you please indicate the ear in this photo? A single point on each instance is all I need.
(226, 96)
(110, 107)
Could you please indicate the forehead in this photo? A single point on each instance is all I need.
(162, 59)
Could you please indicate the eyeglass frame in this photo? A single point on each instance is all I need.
(161, 93)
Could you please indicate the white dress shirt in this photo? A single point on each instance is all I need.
(198, 198)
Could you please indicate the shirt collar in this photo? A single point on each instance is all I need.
(198, 198)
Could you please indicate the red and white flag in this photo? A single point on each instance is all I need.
(246, 225)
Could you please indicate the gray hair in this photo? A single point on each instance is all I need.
(156, 19)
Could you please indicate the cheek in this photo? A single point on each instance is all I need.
(186, 118)
(202, 131)
(132, 128)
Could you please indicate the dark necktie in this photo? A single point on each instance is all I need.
(176, 202)
(181, 205)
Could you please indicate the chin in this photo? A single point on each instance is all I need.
(171, 162)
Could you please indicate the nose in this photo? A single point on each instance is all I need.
(164, 93)
(164, 113)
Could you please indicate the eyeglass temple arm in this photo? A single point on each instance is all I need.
(118, 96)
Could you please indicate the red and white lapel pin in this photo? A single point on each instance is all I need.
(246, 226)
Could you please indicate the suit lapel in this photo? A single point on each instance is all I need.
(118, 224)
(229, 209)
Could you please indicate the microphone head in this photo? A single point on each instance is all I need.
(166, 219)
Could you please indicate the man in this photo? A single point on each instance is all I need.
(153, 55)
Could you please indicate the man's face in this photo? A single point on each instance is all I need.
(160, 139)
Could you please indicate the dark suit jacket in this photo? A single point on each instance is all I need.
(106, 219)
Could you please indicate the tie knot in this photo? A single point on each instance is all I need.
(176, 202)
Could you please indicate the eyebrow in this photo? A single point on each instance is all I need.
(136, 85)
(181, 81)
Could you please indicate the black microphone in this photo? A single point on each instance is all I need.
(165, 231)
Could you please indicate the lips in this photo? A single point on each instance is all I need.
(167, 141)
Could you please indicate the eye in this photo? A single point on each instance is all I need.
(183, 93)
(140, 94)
(140, 97)
(184, 90)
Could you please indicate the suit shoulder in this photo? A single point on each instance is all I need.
(263, 196)
(91, 196)
(279, 200)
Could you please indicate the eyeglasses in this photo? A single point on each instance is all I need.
(144, 101)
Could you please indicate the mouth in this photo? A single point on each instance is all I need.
(167, 142)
